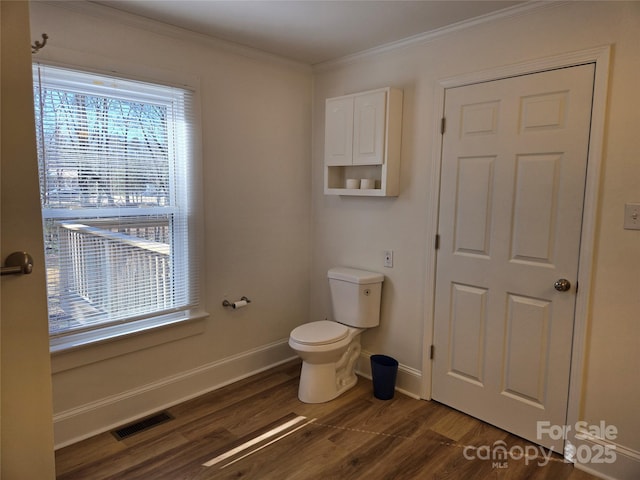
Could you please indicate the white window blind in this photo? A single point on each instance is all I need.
(114, 160)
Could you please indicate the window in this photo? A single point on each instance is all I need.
(114, 159)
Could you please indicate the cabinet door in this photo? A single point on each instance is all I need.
(338, 134)
(369, 128)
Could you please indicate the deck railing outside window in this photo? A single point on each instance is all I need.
(134, 263)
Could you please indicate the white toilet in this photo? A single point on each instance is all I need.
(330, 349)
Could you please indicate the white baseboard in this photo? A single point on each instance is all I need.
(84, 421)
(625, 465)
(408, 381)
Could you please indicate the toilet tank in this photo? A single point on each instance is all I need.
(355, 296)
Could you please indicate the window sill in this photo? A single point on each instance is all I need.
(84, 348)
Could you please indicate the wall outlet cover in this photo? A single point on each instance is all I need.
(388, 258)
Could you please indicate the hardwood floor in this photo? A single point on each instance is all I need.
(353, 437)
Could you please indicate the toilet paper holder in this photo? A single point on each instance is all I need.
(239, 304)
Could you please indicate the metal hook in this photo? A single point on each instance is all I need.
(38, 45)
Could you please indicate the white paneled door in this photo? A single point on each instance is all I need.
(512, 184)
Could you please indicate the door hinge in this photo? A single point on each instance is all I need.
(437, 245)
(577, 284)
(443, 124)
(431, 352)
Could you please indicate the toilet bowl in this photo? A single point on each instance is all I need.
(330, 349)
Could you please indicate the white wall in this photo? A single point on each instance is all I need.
(355, 231)
(256, 120)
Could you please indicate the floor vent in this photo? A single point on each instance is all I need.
(140, 425)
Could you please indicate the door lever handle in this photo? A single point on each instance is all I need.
(18, 263)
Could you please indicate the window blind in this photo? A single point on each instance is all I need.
(114, 159)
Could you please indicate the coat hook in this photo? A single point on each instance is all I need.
(38, 45)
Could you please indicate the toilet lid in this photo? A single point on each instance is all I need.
(319, 333)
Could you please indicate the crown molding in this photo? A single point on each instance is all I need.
(426, 37)
(87, 7)
(90, 8)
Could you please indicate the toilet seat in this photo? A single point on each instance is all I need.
(322, 332)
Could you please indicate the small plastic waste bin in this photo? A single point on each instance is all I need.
(384, 370)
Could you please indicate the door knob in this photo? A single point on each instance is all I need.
(562, 285)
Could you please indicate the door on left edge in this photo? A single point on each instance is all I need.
(26, 428)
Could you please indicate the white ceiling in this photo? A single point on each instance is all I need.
(310, 31)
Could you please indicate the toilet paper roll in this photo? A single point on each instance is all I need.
(239, 304)
(353, 183)
(367, 183)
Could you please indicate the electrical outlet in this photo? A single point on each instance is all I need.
(632, 216)
(388, 258)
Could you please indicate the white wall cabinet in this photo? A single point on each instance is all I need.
(362, 141)
(338, 143)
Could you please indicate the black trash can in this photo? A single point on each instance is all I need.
(384, 370)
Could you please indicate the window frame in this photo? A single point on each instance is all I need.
(191, 253)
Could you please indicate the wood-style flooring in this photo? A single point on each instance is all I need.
(353, 437)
